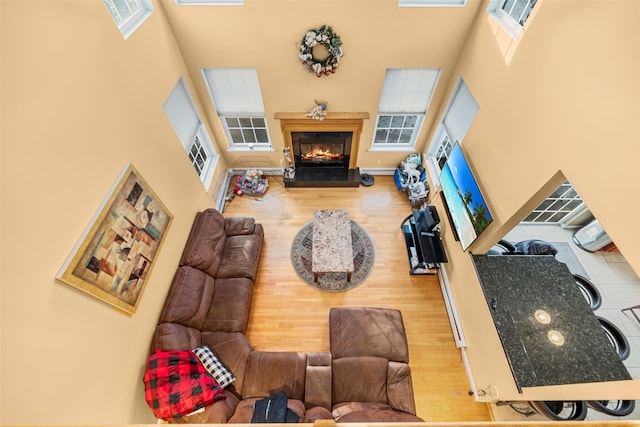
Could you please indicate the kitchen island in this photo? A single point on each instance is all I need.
(549, 334)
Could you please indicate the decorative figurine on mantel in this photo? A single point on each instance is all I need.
(319, 112)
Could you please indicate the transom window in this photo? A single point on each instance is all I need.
(432, 3)
(511, 14)
(210, 2)
(236, 95)
(557, 206)
(404, 101)
(518, 10)
(129, 14)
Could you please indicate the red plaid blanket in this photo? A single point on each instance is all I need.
(177, 384)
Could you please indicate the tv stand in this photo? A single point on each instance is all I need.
(424, 245)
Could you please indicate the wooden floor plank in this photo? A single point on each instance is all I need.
(288, 314)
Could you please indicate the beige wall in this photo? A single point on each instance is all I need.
(568, 101)
(567, 105)
(376, 35)
(78, 102)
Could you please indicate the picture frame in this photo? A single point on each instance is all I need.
(114, 256)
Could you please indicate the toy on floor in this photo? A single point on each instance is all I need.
(253, 182)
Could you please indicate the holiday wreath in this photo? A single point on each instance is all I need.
(323, 37)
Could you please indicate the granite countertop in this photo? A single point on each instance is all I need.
(549, 334)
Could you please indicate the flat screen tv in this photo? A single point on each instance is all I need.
(468, 210)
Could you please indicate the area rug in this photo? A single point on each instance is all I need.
(363, 258)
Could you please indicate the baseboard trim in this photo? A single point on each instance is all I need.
(265, 171)
(378, 171)
(226, 180)
(222, 196)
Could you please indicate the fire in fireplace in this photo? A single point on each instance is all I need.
(321, 153)
(321, 149)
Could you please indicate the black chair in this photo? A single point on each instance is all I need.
(589, 291)
(615, 408)
(525, 247)
(575, 410)
(616, 338)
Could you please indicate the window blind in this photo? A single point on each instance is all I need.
(181, 113)
(235, 91)
(408, 90)
(461, 112)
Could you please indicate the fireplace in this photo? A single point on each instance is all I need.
(324, 152)
(321, 149)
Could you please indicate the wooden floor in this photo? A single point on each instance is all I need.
(288, 314)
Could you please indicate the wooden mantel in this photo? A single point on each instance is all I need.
(330, 116)
(334, 122)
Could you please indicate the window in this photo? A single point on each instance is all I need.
(433, 3)
(184, 118)
(129, 14)
(456, 120)
(404, 101)
(210, 2)
(511, 14)
(443, 149)
(235, 93)
(557, 206)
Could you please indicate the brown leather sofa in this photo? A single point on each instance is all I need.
(209, 303)
(365, 378)
(371, 374)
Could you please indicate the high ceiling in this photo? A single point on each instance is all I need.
(266, 34)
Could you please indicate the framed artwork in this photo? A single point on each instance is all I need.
(113, 258)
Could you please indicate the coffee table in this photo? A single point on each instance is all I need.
(332, 250)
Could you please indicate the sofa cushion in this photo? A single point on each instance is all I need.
(236, 225)
(378, 415)
(174, 336)
(368, 331)
(273, 371)
(205, 243)
(339, 410)
(232, 349)
(241, 256)
(311, 415)
(400, 387)
(230, 306)
(360, 379)
(211, 363)
(317, 388)
(189, 298)
(217, 413)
